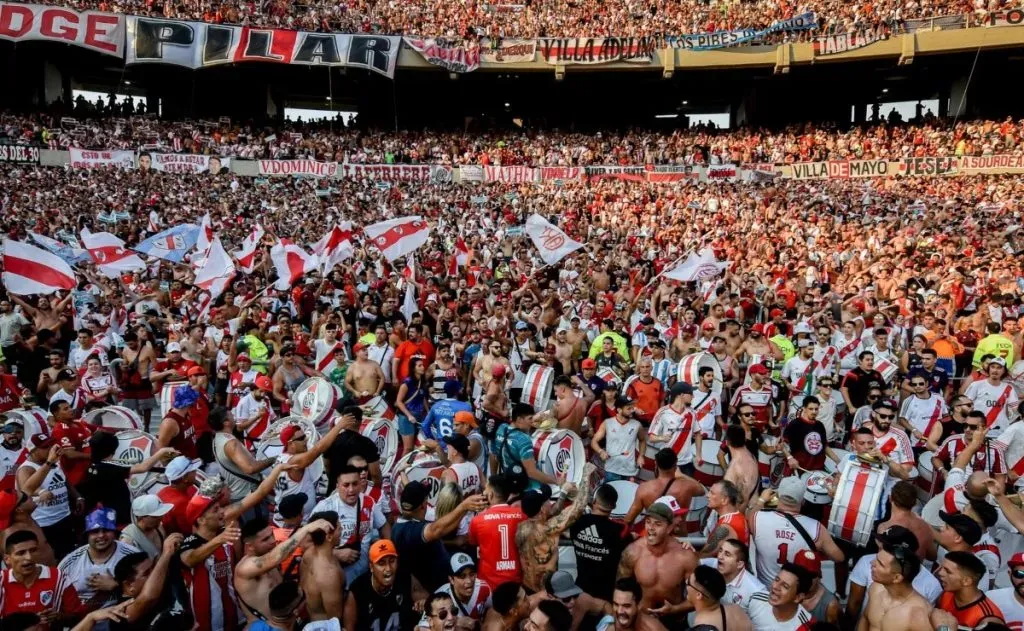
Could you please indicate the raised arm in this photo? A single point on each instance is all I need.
(253, 567)
(565, 518)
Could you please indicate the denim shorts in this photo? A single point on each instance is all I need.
(405, 427)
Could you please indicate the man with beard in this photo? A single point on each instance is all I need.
(90, 568)
(800, 373)
(628, 613)
(992, 396)
(382, 598)
(893, 605)
(136, 388)
(922, 410)
(858, 381)
(1010, 600)
(804, 440)
(893, 446)
(660, 564)
(44, 315)
(757, 346)
(12, 450)
(742, 470)
(254, 413)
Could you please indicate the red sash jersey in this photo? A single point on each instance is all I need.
(42, 595)
(10, 393)
(211, 587)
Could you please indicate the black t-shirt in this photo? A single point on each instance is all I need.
(348, 444)
(388, 320)
(807, 443)
(599, 543)
(375, 612)
(859, 382)
(428, 561)
(106, 483)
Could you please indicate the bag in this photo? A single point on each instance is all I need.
(800, 529)
(516, 474)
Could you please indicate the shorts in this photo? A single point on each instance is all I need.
(405, 426)
(948, 364)
(612, 477)
(139, 405)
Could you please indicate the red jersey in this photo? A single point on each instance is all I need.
(494, 531)
(738, 523)
(970, 615)
(42, 595)
(185, 440)
(73, 435)
(200, 415)
(174, 520)
(10, 393)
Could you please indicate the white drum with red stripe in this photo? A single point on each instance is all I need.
(537, 387)
(689, 369)
(925, 480)
(314, 400)
(769, 466)
(609, 376)
(858, 495)
(887, 368)
(377, 407)
(167, 396)
(708, 471)
(384, 434)
(816, 485)
(269, 446)
(113, 417)
(560, 454)
(134, 446)
(33, 420)
(626, 493)
(424, 467)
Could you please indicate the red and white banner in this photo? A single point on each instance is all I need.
(553, 244)
(32, 270)
(721, 172)
(203, 242)
(436, 173)
(110, 254)
(835, 44)
(291, 263)
(183, 163)
(514, 175)
(459, 58)
(560, 173)
(508, 51)
(298, 167)
(397, 237)
(246, 257)
(460, 258)
(697, 266)
(101, 32)
(216, 272)
(85, 159)
(337, 247)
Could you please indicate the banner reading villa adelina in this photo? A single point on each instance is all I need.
(597, 50)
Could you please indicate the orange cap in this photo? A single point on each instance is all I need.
(381, 549)
(465, 417)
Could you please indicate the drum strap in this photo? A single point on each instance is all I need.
(800, 529)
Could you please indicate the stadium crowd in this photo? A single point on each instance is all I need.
(833, 420)
(472, 19)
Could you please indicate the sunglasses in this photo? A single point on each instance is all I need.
(900, 551)
(918, 384)
(972, 427)
(747, 414)
(361, 469)
(441, 615)
(873, 398)
(296, 439)
(1017, 573)
(886, 417)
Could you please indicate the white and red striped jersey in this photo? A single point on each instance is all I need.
(988, 459)
(328, 355)
(994, 401)
(760, 400)
(15, 597)
(922, 414)
(896, 445)
(678, 425)
(211, 587)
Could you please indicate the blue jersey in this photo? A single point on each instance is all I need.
(439, 423)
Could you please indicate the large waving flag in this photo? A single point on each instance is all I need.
(337, 246)
(697, 266)
(553, 244)
(32, 270)
(203, 241)
(246, 257)
(291, 263)
(110, 254)
(217, 271)
(69, 254)
(460, 258)
(397, 237)
(171, 244)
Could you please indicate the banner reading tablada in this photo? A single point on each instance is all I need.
(83, 159)
(835, 44)
(597, 50)
(508, 51)
(183, 163)
(436, 173)
(298, 167)
(101, 32)
(451, 57)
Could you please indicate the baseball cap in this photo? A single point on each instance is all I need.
(413, 495)
(803, 327)
(174, 347)
(288, 433)
(264, 383)
(198, 505)
(66, 374)
(998, 360)
(42, 440)
(563, 585)
(460, 443)
(465, 417)
(708, 325)
(498, 370)
(150, 506)
(101, 519)
(588, 363)
(757, 328)
(966, 527)
(775, 313)
(452, 387)
(195, 371)
(460, 561)
(660, 511)
(758, 369)
(382, 549)
(791, 490)
(1017, 559)
(680, 387)
(358, 347)
(8, 502)
(243, 357)
(808, 560)
(12, 426)
(672, 503)
(180, 467)
(622, 401)
(522, 326)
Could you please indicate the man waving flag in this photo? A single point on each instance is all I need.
(109, 253)
(246, 257)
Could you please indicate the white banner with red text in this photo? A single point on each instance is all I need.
(95, 30)
(87, 159)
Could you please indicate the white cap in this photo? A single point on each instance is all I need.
(150, 506)
(433, 298)
(460, 561)
(174, 347)
(180, 467)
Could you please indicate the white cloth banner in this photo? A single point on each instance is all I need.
(183, 163)
(85, 159)
(553, 244)
(696, 267)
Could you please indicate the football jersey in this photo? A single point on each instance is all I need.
(211, 587)
(494, 531)
(741, 589)
(42, 595)
(1007, 601)
(762, 618)
(10, 460)
(987, 399)
(76, 568)
(479, 602)
(777, 541)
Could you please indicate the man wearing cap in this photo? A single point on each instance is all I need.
(242, 378)
(660, 564)
(12, 450)
(800, 372)
(674, 424)
(90, 568)
(993, 396)
(174, 368)
(1010, 600)
(298, 456)
(69, 393)
(181, 477)
(960, 573)
(254, 413)
(41, 476)
(625, 442)
(559, 586)
(145, 532)
(382, 598)
(364, 378)
(822, 603)
(470, 596)
(439, 423)
(176, 428)
(521, 357)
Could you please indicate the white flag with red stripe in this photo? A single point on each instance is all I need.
(337, 246)
(217, 271)
(203, 242)
(553, 244)
(291, 262)
(110, 254)
(460, 258)
(32, 270)
(397, 237)
(246, 257)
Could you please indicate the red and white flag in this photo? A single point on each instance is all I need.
(32, 270)
(246, 257)
(460, 258)
(397, 237)
(204, 241)
(553, 244)
(337, 246)
(216, 273)
(110, 254)
(291, 262)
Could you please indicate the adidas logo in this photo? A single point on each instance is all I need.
(590, 535)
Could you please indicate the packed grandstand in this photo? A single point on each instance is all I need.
(282, 374)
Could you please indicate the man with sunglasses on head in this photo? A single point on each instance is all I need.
(1010, 600)
(893, 603)
(892, 445)
(560, 587)
(922, 410)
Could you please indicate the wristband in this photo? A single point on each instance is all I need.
(51, 464)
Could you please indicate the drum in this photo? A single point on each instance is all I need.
(269, 446)
(709, 471)
(314, 400)
(817, 483)
(925, 478)
(537, 387)
(377, 407)
(689, 369)
(769, 466)
(831, 467)
(167, 396)
(609, 376)
(423, 467)
(887, 368)
(695, 516)
(134, 446)
(858, 495)
(627, 492)
(560, 453)
(32, 419)
(384, 435)
(113, 417)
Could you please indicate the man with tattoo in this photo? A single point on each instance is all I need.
(537, 537)
(727, 520)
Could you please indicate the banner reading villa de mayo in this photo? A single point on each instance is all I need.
(910, 167)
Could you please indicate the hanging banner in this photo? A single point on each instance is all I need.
(183, 163)
(471, 173)
(515, 175)
(83, 159)
(631, 173)
(721, 172)
(297, 167)
(673, 173)
(508, 51)
(95, 30)
(928, 166)
(1008, 17)
(835, 44)
(840, 169)
(597, 50)
(19, 153)
(436, 173)
(941, 23)
(200, 45)
(453, 58)
(560, 173)
(976, 165)
(724, 39)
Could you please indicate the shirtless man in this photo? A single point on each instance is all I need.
(364, 378)
(537, 537)
(742, 470)
(902, 500)
(259, 571)
(568, 408)
(45, 316)
(320, 574)
(660, 564)
(893, 605)
(563, 350)
(628, 615)
(485, 363)
(705, 589)
(668, 482)
(757, 344)
(495, 402)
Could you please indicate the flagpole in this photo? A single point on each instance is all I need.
(667, 268)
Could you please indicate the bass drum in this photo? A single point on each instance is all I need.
(269, 446)
(626, 493)
(32, 419)
(925, 478)
(423, 467)
(537, 387)
(113, 417)
(858, 495)
(377, 407)
(314, 401)
(167, 396)
(709, 471)
(689, 369)
(560, 453)
(134, 446)
(384, 435)
(887, 368)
